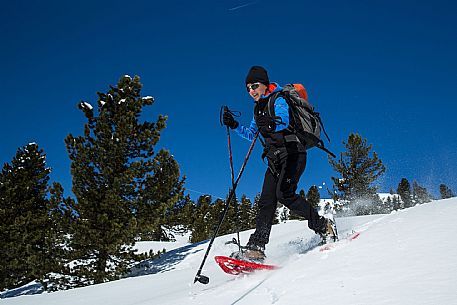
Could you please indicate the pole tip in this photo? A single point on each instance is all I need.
(201, 279)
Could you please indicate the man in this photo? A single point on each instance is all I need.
(286, 162)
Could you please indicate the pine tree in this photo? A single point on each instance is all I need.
(404, 190)
(420, 194)
(388, 205)
(27, 223)
(217, 211)
(231, 223)
(358, 168)
(244, 213)
(313, 196)
(162, 191)
(254, 210)
(446, 192)
(201, 227)
(110, 165)
(183, 213)
(276, 216)
(396, 203)
(61, 216)
(284, 213)
(302, 194)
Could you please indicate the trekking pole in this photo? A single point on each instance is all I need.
(232, 174)
(202, 278)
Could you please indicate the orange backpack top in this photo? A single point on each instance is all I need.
(301, 90)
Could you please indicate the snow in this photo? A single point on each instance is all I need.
(86, 105)
(406, 257)
(182, 239)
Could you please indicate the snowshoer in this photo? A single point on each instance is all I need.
(286, 158)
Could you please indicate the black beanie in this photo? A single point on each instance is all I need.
(257, 74)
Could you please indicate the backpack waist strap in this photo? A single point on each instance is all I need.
(291, 138)
(280, 139)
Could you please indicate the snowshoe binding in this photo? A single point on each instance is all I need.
(250, 253)
(330, 233)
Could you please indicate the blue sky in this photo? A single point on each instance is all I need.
(384, 69)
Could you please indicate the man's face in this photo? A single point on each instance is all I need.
(256, 90)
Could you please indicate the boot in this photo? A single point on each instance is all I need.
(254, 253)
(330, 234)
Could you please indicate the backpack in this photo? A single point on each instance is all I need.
(304, 121)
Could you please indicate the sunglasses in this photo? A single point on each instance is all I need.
(253, 86)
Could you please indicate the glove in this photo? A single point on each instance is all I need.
(229, 120)
(266, 124)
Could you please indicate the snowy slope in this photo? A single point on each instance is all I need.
(408, 257)
(181, 239)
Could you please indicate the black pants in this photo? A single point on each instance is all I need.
(281, 186)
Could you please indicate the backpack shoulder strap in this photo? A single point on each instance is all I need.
(271, 102)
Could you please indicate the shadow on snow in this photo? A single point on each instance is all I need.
(165, 262)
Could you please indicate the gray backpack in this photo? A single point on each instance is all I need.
(304, 121)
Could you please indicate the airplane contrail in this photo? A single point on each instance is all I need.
(241, 6)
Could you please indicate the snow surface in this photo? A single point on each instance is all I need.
(182, 239)
(407, 257)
